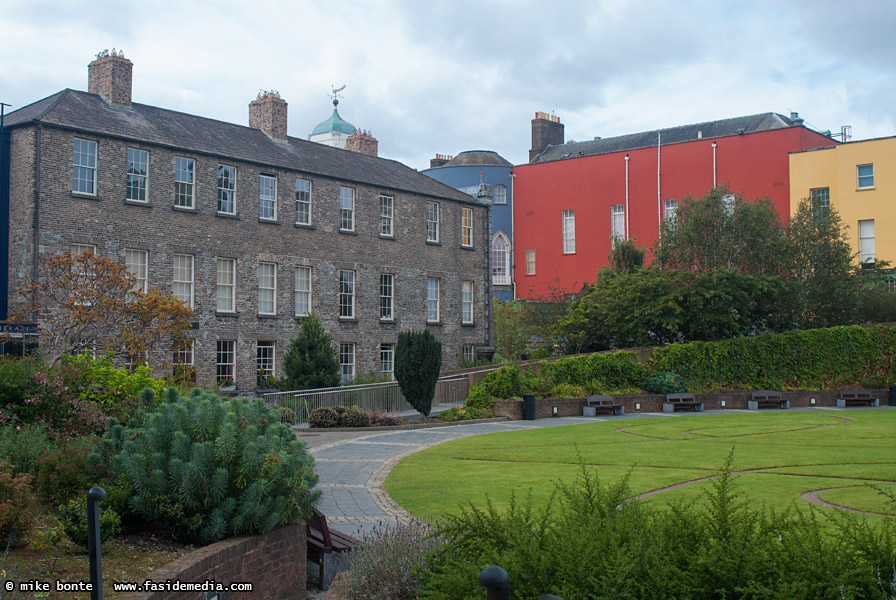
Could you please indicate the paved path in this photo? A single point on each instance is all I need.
(352, 466)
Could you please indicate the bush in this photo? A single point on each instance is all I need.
(383, 418)
(287, 415)
(22, 445)
(73, 516)
(62, 474)
(310, 361)
(567, 390)
(418, 359)
(205, 467)
(665, 382)
(323, 417)
(465, 413)
(504, 382)
(355, 417)
(385, 564)
(479, 397)
(97, 380)
(18, 505)
(615, 370)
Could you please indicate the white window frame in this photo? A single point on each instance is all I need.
(183, 288)
(267, 288)
(670, 210)
(184, 182)
(466, 227)
(137, 176)
(500, 259)
(303, 291)
(432, 222)
(500, 194)
(184, 356)
(728, 204)
(225, 287)
(84, 167)
(866, 241)
(267, 197)
(387, 215)
(303, 202)
(387, 361)
(346, 294)
(569, 231)
(265, 358)
(137, 263)
(820, 199)
(530, 261)
(387, 297)
(226, 190)
(617, 223)
(466, 302)
(346, 209)
(346, 362)
(80, 248)
(433, 286)
(868, 177)
(469, 352)
(225, 361)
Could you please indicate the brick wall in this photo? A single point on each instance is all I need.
(274, 563)
(113, 224)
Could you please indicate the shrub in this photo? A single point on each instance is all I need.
(567, 390)
(504, 382)
(73, 516)
(310, 361)
(323, 417)
(665, 382)
(18, 507)
(479, 397)
(418, 359)
(613, 370)
(62, 474)
(22, 445)
(465, 413)
(206, 467)
(97, 380)
(355, 417)
(287, 415)
(385, 564)
(383, 418)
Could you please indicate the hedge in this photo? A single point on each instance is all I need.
(809, 359)
(615, 371)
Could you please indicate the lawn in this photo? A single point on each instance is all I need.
(779, 454)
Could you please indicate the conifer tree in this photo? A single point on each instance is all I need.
(310, 361)
(418, 360)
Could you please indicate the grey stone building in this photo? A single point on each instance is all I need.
(252, 228)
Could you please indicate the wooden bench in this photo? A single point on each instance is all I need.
(326, 547)
(849, 397)
(767, 399)
(602, 403)
(681, 402)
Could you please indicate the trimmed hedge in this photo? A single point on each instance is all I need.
(811, 359)
(613, 371)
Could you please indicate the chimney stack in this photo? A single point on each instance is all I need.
(111, 76)
(547, 130)
(268, 113)
(438, 161)
(795, 119)
(363, 142)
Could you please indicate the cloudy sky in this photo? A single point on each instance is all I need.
(452, 75)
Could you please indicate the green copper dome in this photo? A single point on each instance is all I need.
(334, 123)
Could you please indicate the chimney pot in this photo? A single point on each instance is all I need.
(547, 130)
(111, 76)
(268, 112)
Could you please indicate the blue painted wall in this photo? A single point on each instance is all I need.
(467, 176)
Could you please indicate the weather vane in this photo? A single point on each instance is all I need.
(335, 95)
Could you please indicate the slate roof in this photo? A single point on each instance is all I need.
(485, 158)
(150, 124)
(673, 135)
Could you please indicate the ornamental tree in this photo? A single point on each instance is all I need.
(418, 360)
(310, 362)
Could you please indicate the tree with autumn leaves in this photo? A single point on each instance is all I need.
(90, 303)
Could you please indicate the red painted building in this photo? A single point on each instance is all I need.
(571, 197)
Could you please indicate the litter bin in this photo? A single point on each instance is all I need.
(893, 395)
(528, 407)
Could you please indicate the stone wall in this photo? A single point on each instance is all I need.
(274, 563)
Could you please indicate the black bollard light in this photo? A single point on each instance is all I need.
(496, 581)
(93, 541)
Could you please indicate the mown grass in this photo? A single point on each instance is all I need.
(794, 451)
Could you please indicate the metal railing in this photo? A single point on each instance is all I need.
(385, 397)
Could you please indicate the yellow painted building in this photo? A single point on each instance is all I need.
(859, 180)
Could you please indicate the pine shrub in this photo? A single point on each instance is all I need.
(418, 359)
(206, 467)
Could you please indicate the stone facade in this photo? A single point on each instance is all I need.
(44, 208)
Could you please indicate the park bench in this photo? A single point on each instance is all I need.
(601, 403)
(326, 547)
(767, 399)
(681, 402)
(849, 397)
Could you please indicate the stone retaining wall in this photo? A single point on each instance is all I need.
(274, 563)
(653, 403)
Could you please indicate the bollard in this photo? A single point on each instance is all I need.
(497, 582)
(93, 541)
(550, 597)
